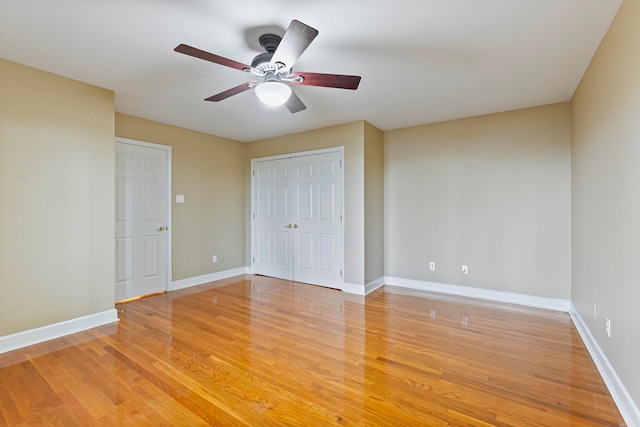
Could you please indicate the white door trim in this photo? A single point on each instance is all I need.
(167, 149)
(339, 149)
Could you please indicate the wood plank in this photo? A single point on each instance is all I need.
(259, 351)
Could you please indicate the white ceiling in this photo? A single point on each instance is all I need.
(421, 61)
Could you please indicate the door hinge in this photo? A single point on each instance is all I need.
(340, 273)
(254, 259)
(340, 217)
(254, 216)
(340, 163)
(253, 172)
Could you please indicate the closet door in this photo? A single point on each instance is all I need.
(271, 223)
(317, 240)
(297, 218)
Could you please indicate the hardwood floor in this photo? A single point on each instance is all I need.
(260, 351)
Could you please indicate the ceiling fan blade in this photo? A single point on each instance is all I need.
(328, 80)
(230, 92)
(197, 53)
(295, 40)
(295, 104)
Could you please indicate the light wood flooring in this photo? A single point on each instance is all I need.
(258, 351)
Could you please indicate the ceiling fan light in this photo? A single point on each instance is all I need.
(273, 94)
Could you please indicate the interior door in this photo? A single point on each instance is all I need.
(272, 223)
(140, 220)
(317, 211)
(297, 218)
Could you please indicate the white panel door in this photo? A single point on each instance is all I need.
(141, 220)
(317, 182)
(297, 218)
(272, 225)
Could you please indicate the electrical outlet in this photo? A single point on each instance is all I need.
(432, 266)
(214, 259)
(465, 269)
(608, 327)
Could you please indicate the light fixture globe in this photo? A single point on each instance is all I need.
(273, 94)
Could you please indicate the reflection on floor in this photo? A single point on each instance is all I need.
(259, 351)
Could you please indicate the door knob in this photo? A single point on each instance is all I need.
(163, 228)
(295, 225)
(288, 226)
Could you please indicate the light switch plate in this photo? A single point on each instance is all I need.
(179, 198)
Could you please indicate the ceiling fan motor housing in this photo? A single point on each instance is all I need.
(270, 43)
(262, 61)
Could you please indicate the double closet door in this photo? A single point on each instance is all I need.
(297, 218)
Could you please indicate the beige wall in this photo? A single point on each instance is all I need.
(56, 199)
(373, 203)
(606, 195)
(492, 192)
(351, 136)
(209, 172)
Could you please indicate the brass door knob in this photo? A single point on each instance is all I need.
(295, 225)
(288, 226)
(163, 228)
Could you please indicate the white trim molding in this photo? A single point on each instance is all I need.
(207, 278)
(627, 407)
(557, 304)
(373, 285)
(56, 330)
(353, 288)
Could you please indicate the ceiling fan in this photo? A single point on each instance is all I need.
(273, 69)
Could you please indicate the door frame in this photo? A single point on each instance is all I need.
(167, 149)
(339, 149)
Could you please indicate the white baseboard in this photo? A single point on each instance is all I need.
(373, 285)
(352, 288)
(556, 304)
(206, 278)
(627, 407)
(56, 330)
